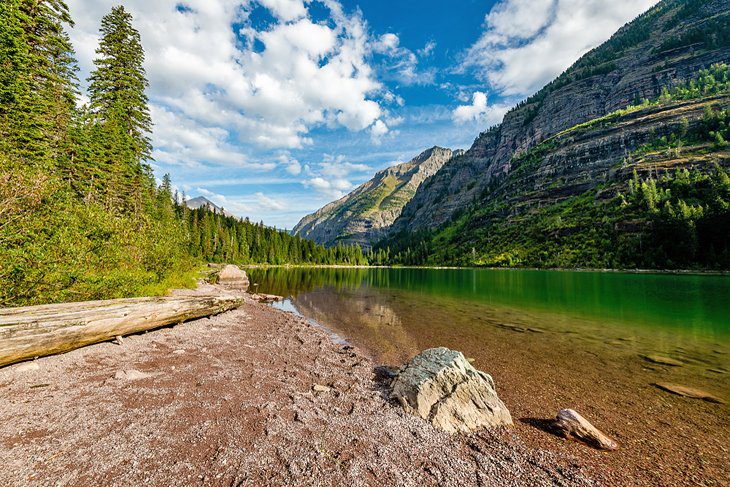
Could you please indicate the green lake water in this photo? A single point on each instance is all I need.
(694, 308)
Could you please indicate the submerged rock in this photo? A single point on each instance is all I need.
(570, 424)
(690, 392)
(659, 359)
(442, 387)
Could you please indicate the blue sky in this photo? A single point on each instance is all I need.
(273, 108)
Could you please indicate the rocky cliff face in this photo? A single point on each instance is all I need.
(363, 216)
(671, 42)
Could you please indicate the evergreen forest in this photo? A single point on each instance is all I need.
(81, 213)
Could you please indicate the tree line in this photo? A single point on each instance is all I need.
(81, 214)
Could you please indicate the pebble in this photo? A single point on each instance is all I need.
(26, 367)
(130, 374)
(320, 388)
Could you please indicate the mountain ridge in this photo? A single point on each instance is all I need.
(574, 145)
(363, 216)
(202, 201)
(629, 66)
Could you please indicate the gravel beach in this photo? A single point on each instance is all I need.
(254, 396)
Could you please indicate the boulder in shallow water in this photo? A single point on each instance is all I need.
(233, 277)
(442, 387)
(570, 424)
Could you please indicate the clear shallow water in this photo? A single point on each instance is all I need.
(552, 340)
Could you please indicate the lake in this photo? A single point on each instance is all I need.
(552, 340)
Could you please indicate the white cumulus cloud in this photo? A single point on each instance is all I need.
(526, 43)
(242, 87)
(479, 110)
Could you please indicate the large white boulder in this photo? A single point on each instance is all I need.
(442, 387)
(232, 276)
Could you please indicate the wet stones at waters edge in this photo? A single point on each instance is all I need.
(233, 277)
(690, 392)
(570, 424)
(442, 387)
(267, 298)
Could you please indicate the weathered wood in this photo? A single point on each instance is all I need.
(569, 424)
(35, 331)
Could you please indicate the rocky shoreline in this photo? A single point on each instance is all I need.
(249, 397)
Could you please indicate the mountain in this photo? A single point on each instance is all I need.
(202, 201)
(364, 216)
(553, 184)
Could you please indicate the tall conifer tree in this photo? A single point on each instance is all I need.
(119, 103)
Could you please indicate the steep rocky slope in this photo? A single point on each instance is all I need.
(554, 184)
(363, 216)
(669, 43)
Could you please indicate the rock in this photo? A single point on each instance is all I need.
(442, 387)
(320, 388)
(118, 340)
(690, 392)
(518, 329)
(178, 351)
(384, 372)
(233, 277)
(659, 359)
(26, 367)
(269, 298)
(131, 374)
(570, 424)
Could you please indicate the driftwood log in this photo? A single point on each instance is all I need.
(35, 331)
(570, 424)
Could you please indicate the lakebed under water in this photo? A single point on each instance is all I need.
(552, 340)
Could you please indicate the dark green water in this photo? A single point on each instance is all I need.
(687, 306)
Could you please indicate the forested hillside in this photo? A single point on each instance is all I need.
(81, 214)
(664, 204)
(553, 185)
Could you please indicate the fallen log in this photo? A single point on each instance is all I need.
(35, 331)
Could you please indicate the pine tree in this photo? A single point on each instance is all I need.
(119, 103)
(38, 84)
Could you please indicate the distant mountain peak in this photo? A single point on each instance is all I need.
(203, 202)
(365, 214)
